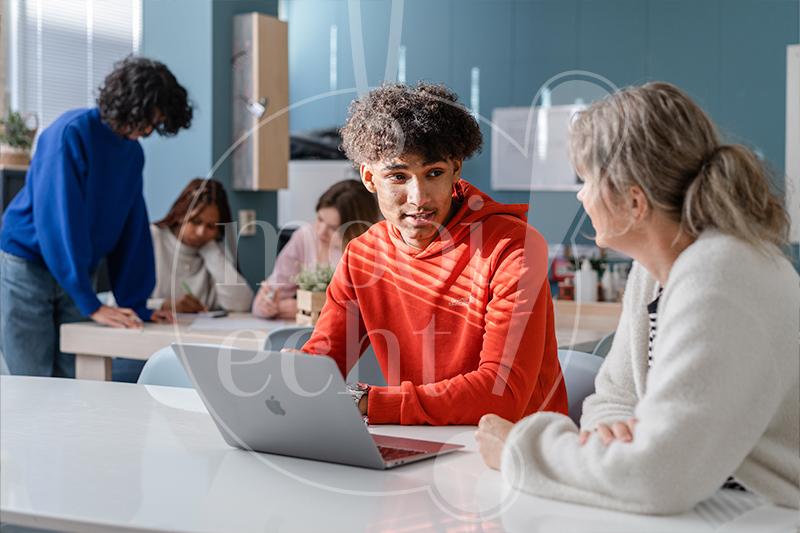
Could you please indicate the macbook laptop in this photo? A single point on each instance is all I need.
(292, 404)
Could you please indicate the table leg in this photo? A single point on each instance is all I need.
(95, 367)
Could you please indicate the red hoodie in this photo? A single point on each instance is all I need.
(460, 329)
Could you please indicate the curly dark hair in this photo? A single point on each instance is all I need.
(135, 90)
(397, 119)
(207, 193)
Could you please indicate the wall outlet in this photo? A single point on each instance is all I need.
(247, 219)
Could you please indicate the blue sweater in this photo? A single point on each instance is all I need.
(82, 201)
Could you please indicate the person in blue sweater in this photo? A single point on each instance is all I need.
(83, 201)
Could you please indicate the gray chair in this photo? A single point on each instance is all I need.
(4, 371)
(164, 368)
(579, 370)
(602, 348)
(366, 370)
(293, 337)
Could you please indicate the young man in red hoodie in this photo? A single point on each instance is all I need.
(451, 289)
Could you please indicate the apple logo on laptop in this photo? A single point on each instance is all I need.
(274, 406)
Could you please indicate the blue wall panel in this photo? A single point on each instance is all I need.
(186, 49)
(194, 39)
(613, 40)
(545, 45)
(309, 46)
(482, 39)
(253, 262)
(729, 55)
(428, 38)
(685, 49)
(752, 97)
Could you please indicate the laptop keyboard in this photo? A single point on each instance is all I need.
(392, 454)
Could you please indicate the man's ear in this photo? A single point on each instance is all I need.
(367, 177)
(640, 208)
(458, 164)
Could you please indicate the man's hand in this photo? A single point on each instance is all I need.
(267, 302)
(363, 404)
(621, 431)
(184, 304)
(116, 317)
(491, 436)
(161, 317)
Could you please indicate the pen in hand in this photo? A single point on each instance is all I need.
(188, 290)
(271, 293)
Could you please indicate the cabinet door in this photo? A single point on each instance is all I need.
(260, 66)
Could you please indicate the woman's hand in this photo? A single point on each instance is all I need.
(161, 317)
(621, 431)
(267, 302)
(491, 436)
(184, 304)
(116, 317)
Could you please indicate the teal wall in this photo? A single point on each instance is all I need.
(728, 55)
(194, 38)
(170, 162)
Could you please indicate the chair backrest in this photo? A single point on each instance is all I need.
(293, 337)
(579, 370)
(602, 348)
(4, 371)
(163, 368)
(367, 370)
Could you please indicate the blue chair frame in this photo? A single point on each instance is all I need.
(579, 370)
(603, 347)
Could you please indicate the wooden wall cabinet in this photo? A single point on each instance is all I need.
(260, 66)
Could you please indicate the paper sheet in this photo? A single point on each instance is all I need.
(207, 314)
(228, 323)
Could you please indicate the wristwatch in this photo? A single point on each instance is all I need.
(358, 391)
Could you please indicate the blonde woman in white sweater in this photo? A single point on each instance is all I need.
(700, 388)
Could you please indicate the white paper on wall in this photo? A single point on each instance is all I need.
(308, 180)
(529, 149)
(793, 139)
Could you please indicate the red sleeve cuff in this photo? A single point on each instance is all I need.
(384, 405)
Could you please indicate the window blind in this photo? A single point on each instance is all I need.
(63, 49)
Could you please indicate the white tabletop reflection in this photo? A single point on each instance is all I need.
(83, 456)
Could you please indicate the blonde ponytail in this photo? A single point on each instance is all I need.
(732, 194)
(657, 138)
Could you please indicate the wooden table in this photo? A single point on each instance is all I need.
(95, 344)
(579, 326)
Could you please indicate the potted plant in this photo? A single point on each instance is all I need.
(312, 282)
(16, 139)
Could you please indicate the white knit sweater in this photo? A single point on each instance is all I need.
(208, 271)
(721, 398)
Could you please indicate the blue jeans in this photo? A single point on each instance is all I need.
(32, 308)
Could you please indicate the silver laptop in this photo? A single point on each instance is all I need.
(292, 404)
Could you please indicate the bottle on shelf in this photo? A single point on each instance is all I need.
(608, 285)
(586, 283)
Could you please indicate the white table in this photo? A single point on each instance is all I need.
(95, 344)
(94, 456)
